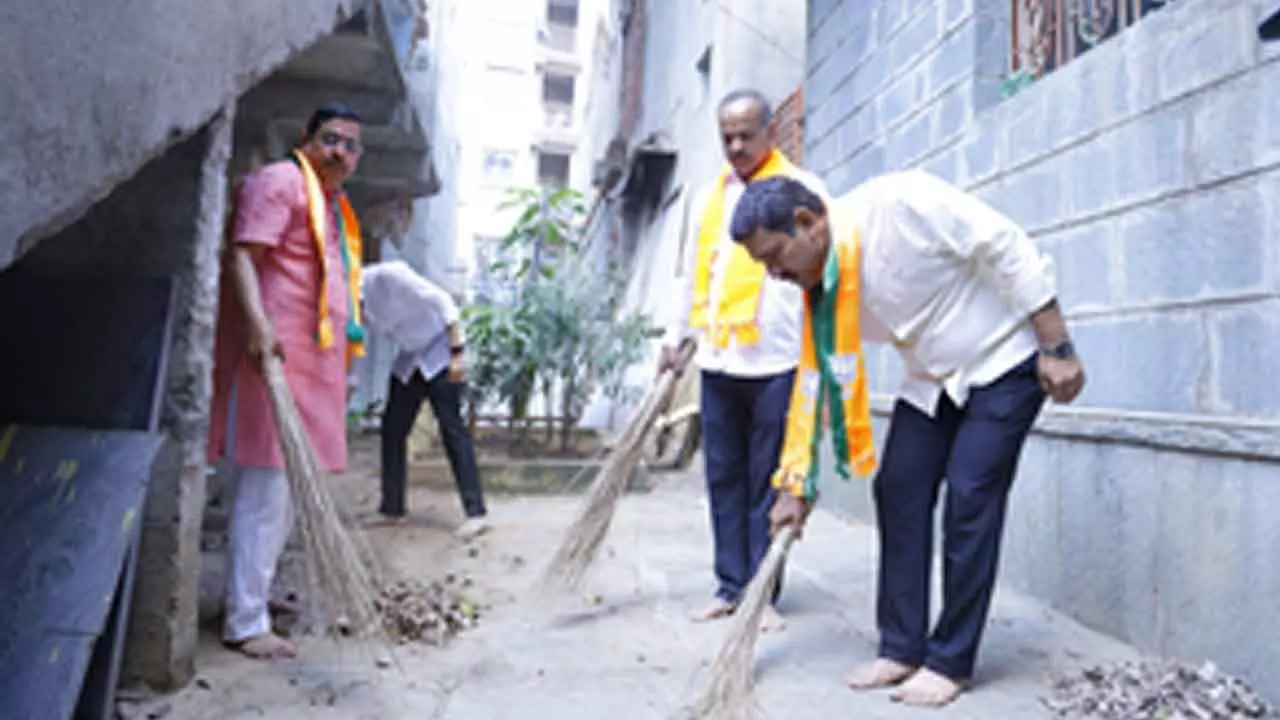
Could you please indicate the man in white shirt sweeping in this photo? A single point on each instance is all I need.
(970, 302)
(423, 321)
(748, 328)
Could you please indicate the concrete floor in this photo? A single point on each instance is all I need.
(625, 651)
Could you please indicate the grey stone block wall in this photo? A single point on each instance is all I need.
(1148, 168)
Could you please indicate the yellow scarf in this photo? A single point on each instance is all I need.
(349, 226)
(831, 384)
(735, 316)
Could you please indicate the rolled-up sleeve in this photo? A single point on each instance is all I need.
(265, 203)
(1004, 255)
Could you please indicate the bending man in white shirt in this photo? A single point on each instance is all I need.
(970, 303)
(422, 320)
(748, 328)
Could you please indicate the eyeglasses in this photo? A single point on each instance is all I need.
(329, 138)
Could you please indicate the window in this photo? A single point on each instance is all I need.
(553, 169)
(1048, 35)
(557, 101)
(557, 89)
(499, 167)
(561, 29)
(562, 12)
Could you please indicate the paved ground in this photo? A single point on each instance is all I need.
(634, 655)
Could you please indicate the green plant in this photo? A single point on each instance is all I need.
(561, 330)
(546, 227)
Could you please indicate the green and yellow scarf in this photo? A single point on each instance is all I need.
(349, 227)
(831, 384)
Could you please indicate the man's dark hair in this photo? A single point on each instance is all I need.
(756, 97)
(330, 111)
(770, 205)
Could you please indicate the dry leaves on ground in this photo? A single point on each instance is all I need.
(432, 613)
(1153, 690)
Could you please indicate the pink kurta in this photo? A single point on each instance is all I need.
(271, 210)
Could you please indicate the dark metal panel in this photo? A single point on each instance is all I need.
(71, 502)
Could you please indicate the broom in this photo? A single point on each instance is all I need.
(585, 535)
(340, 575)
(728, 694)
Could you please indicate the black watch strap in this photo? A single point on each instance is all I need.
(1061, 351)
(457, 350)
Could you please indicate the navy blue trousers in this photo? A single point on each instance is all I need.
(743, 423)
(976, 450)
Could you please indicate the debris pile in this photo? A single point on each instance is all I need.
(430, 613)
(1154, 690)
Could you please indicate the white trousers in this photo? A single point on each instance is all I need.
(261, 518)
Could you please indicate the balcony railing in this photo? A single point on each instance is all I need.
(1048, 34)
(559, 37)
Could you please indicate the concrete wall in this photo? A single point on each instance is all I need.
(166, 221)
(1147, 168)
(125, 83)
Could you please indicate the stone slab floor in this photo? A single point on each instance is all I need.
(625, 650)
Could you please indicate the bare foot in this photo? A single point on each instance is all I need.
(773, 621)
(267, 646)
(716, 610)
(472, 528)
(879, 674)
(927, 689)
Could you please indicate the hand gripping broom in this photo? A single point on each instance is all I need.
(582, 541)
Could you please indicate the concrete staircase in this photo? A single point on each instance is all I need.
(93, 92)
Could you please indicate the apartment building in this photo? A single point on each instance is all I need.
(509, 91)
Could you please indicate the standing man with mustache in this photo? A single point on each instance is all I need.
(748, 325)
(971, 304)
(290, 287)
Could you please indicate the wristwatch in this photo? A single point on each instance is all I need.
(1062, 351)
(457, 350)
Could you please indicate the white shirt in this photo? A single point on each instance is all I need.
(947, 279)
(781, 303)
(414, 312)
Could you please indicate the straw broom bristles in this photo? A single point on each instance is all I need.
(728, 694)
(585, 535)
(340, 573)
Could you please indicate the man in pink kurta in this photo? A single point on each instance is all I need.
(270, 304)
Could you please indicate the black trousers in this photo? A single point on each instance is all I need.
(976, 449)
(743, 423)
(404, 400)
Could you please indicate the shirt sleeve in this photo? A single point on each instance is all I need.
(690, 226)
(371, 300)
(932, 211)
(265, 203)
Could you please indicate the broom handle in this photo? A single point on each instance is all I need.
(282, 402)
(278, 387)
(778, 547)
